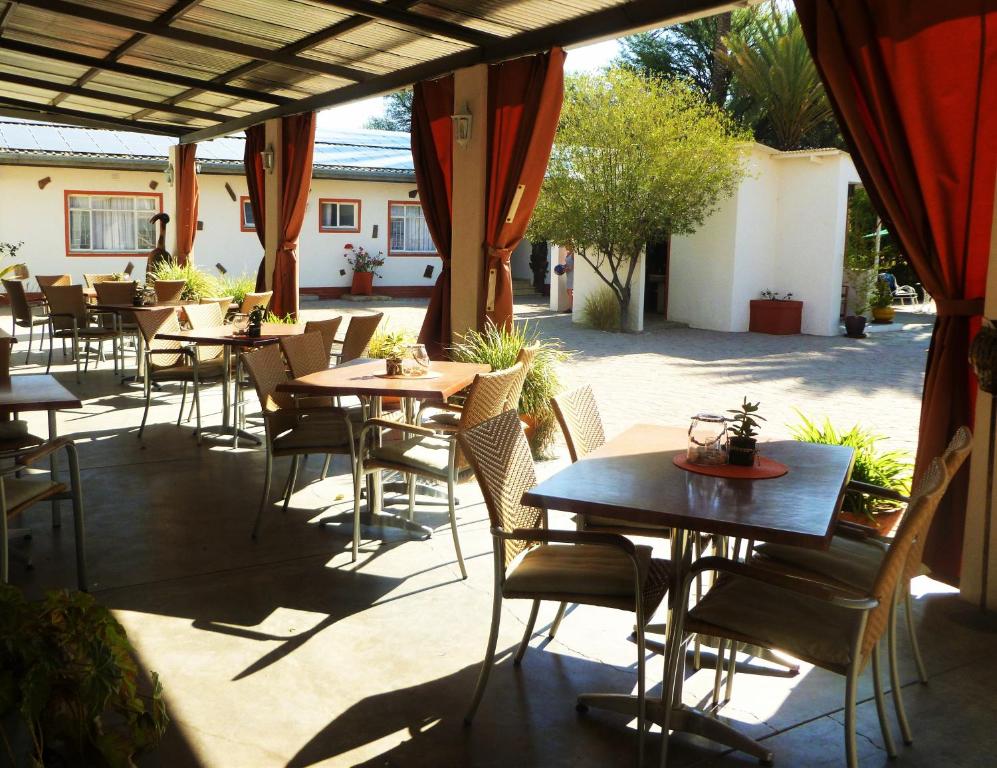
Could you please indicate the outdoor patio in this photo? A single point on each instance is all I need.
(281, 652)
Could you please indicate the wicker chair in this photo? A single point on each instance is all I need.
(70, 318)
(328, 329)
(169, 291)
(854, 557)
(424, 453)
(224, 303)
(292, 431)
(168, 360)
(91, 279)
(119, 292)
(44, 281)
(23, 313)
(837, 630)
(206, 316)
(530, 563)
(358, 335)
(252, 300)
(17, 494)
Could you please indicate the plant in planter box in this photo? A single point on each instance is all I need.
(365, 266)
(742, 445)
(69, 679)
(775, 313)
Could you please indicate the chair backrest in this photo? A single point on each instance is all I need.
(205, 316)
(266, 370)
(358, 335)
(44, 281)
(20, 272)
(252, 300)
(115, 291)
(91, 279)
(305, 353)
(498, 452)
(578, 415)
(159, 321)
(923, 503)
(486, 398)
(526, 356)
(223, 302)
(66, 300)
(328, 329)
(169, 291)
(19, 307)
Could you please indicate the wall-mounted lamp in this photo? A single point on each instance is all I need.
(268, 158)
(169, 174)
(197, 167)
(462, 127)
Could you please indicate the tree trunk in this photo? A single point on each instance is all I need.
(624, 298)
(718, 68)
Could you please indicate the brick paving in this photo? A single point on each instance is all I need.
(668, 373)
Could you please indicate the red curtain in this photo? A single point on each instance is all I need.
(256, 143)
(187, 199)
(914, 86)
(432, 155)
(297, 147)
(524, 104)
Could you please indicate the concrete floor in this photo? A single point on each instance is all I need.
(283, 653)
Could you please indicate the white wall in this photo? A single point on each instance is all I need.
(521, 261)
(37, 216)
(587, 282)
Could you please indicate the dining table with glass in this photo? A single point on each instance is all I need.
(643, 477)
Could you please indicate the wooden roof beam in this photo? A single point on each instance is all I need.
(32, 111)
(416, 22)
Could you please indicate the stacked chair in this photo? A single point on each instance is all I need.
(70, 318)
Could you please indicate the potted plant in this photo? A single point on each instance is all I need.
(776, 314)
(256, 315)
(364, 269)
(390, 346)
(882, 303)
(70, 688)
(742, 445)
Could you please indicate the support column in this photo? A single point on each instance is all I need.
(273, 179)
(470, 168)
(978, 583)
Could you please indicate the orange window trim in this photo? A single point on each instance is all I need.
(243, 226)
(339, 230)
(102, 254)
(407, 254)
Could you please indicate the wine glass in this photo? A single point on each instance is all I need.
(420, 357)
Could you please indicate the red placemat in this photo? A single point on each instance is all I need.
(764, 468)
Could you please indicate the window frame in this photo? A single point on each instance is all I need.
(70, 253)
(243, 226)
(408, 254)
(358, 206)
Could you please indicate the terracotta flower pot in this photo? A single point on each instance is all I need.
(883, 315)
(363, 284)
(775, 316)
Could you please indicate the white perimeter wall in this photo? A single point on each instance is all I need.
(587, 282)
(37, 216)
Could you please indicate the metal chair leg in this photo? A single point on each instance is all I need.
(31, 333)
(453, 524)
(527, 634)
(357, 481)
(486, 665)
(197, 408)
(292, 480)
(78, 527)
(51, 343)
(851, 746)
(884, 724)
(183, 402)
(556, 623)
(148, 399)
(325, 465)
(641, 688)
(718, 672)
(898, 699)
(731, 671)
(915, 645)
(267, 477)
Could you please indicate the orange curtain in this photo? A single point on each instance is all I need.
(524, 104)
(914, 86)
(255, 180)
(187, 199)
(432, 156)
(297, 147)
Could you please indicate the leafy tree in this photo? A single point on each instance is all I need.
(635, 158)
(397, 113)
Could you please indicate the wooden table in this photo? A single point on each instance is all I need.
(632, 478)
(38, 392)
(229, 337)
(365, 379)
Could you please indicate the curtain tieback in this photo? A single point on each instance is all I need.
(958, 307)
(503, 254)
(499, 255)
(288, 245)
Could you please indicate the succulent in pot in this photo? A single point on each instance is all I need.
(743, 446)
(256, 316)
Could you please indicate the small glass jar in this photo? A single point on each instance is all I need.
(418, 359)
(707, 439)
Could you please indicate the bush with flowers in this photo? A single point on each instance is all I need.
(362, 260)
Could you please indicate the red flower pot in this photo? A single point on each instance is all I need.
(775, 316)
(363, 284)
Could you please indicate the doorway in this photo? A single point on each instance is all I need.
(656, 277)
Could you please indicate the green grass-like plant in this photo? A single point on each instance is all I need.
(199, 284)
(287, 319)
(386, 343)
(602, 310)
(886, 468)
(498, 347)
(237, 287)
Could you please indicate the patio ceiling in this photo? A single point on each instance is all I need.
(196, 69)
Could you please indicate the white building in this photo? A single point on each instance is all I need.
(80, 199)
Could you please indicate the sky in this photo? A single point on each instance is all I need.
(582, 59)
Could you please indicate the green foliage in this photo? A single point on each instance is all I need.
(882, 296)
(397, 113)
(9, 251)
(602, 310)
(237, 287)
(69, 672)
(745, 420)
(199, 284)
(885, 468)
(635, 159)
(386, 344)
(499, 347)
(270, 317)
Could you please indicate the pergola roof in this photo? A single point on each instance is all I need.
(195, 69)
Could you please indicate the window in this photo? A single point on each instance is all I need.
(111, 223)
(338, 215)
(409, 233)
(246, 221)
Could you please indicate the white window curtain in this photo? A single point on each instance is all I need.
(111, 223)
(409, 233)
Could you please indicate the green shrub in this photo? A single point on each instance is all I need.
(199, 284)
(385, 343)
(602, 310)
(287, 319)
(888, 469)
(498, 347)
(237, 287)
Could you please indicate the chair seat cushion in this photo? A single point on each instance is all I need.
(765, 615)
(212, 369)
(318, 432)
(23, 491)
(591, 522)
(445, 420)
(595, 575)
(427, 455)
(853, 562)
